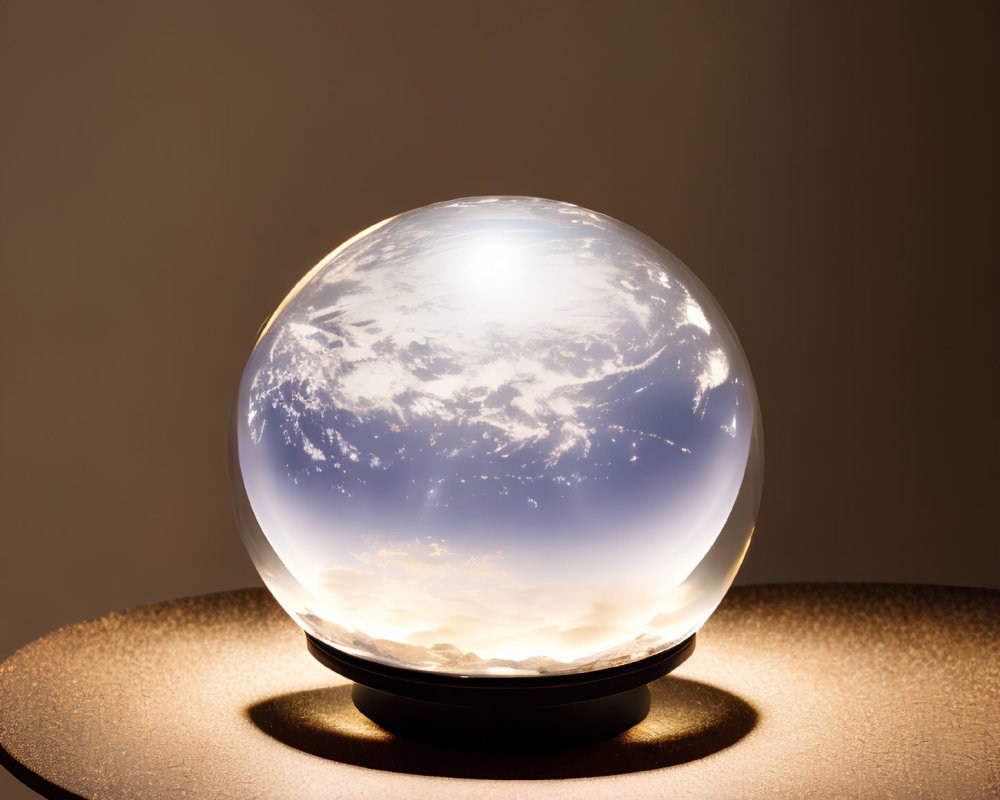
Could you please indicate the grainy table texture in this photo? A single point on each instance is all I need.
(836, 690)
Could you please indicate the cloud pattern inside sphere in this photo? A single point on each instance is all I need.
(498, 436)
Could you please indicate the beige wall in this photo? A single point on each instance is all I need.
(170, 169)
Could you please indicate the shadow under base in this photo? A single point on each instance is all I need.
(531, 711)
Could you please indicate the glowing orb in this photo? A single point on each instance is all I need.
(498, 436)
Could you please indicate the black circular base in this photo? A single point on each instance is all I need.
(511, 728)
(536, 709)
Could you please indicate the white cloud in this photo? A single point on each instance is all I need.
(714, 372)
(458, 315)
(419, 601)
(693, 315)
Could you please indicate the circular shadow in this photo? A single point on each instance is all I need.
(687, 721)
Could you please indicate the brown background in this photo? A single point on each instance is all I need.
(169, 170)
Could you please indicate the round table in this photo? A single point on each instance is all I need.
(827, 690)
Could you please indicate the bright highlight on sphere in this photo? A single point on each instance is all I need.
(498, 436)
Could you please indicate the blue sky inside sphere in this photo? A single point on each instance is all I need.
(507, 426)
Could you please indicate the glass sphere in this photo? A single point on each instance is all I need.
(498, 436)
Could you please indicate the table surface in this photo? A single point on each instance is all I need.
(829, 690)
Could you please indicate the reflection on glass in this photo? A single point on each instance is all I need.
(498, 435)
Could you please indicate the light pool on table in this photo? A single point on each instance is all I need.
(498, 436)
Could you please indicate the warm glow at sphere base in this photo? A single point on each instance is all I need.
(539, 711)
(498, 436)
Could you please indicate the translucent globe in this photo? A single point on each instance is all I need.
(498, 436)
